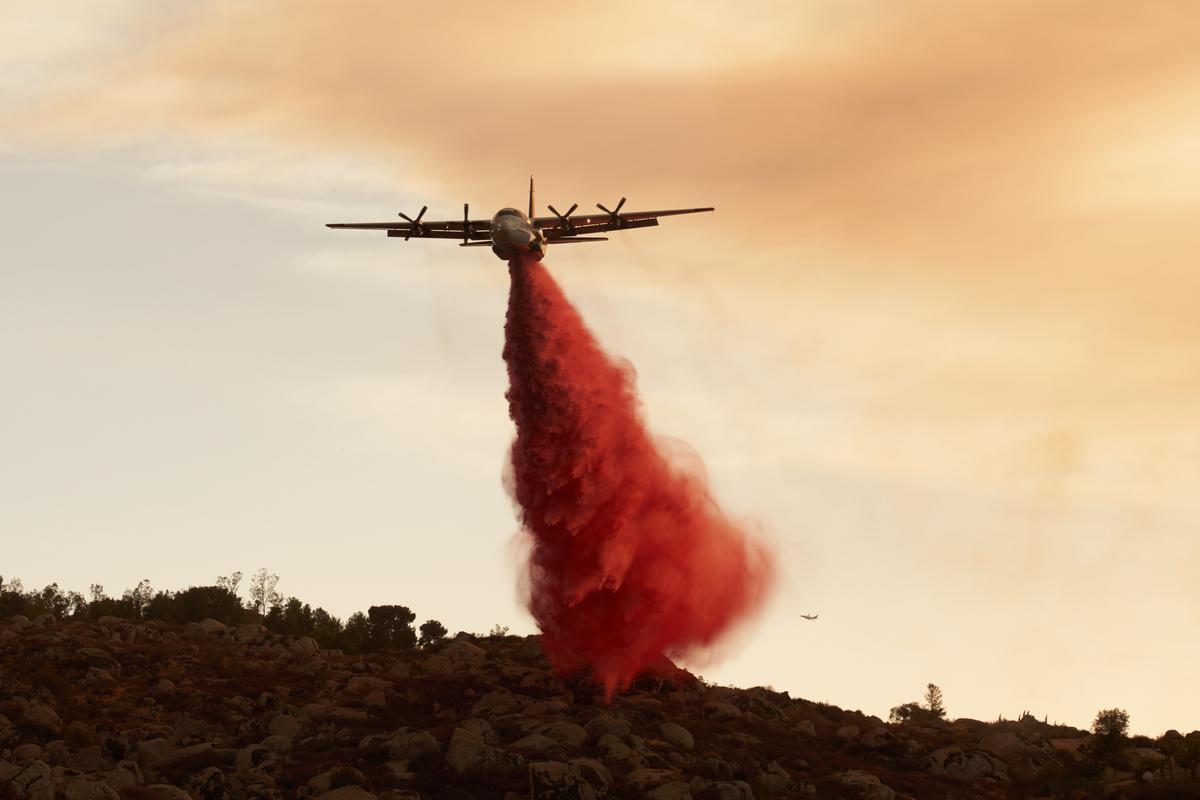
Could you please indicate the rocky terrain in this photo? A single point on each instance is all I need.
(119, 709)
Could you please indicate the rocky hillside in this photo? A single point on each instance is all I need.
(115, 709)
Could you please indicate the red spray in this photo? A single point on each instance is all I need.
(631, 560)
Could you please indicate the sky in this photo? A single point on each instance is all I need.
(937, 345)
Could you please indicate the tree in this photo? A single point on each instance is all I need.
(391, 626)
(1112, 723)
(431, 632)
(498, 631)
(908, 712)
(138, 598)
(354, 636)
(230, 583)
(933, 701)
(263, 596)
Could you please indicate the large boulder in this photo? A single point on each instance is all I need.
(44, 717)
(554, 780)
(456, 658)
(468, 753)
(677, 736)
(406, 745)
(865, 785)
(968, 765)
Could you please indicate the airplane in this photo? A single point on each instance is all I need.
(512, 233)
(809, 617)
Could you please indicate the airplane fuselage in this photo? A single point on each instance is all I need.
(513, 235)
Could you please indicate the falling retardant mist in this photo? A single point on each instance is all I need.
(631, 561)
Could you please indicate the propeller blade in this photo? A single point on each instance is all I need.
(466, 225)
(602, 208)
(426, 208)
(571, 210)
(618, 208)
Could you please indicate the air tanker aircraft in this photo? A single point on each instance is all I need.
(513, 233)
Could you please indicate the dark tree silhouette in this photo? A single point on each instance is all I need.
(431, 631)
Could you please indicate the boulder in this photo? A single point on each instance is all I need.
(601, 726)
(968, 765)
(677, 736)
(44, 717)
(568, 734)
(554, 780)
(719, 709)
(83, 789)
(249, 634)
(645, 779)
(468, 753)
(805, 727)
(676, 790)
(408, 745)
(347, 793)
(456, 658)
(285, 725)
(211, 626)
(847, 733)
(866, 785)
(539, 745)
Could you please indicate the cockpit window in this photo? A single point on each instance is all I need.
(509, 212)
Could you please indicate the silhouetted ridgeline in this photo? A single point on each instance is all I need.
(380, 627)
(201, 694)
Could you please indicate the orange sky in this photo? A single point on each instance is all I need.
(940, 337)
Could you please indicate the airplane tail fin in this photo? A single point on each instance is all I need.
(531, 197)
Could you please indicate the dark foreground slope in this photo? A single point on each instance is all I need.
(119, 709)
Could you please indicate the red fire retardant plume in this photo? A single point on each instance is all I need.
(632, 561)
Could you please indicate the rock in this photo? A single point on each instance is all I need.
(805, 727)
(285, 725)
(155, 753)
(469, 753)
(677, 736)
(254, 758)
(599, 727)
(865, 784)
(27, 752)
(676, 790)
(347, 793)
(8, 771)
(847, 733)
(124, 775)
(723, 790)
(878, 737)
(456, 658)
(595, 773)
(82, 789)
(44, 717)
(362, 685)
(90, 759)
(30, 774)
(42, 789)
(498, 704)
(248, 634)
(968, 765)
(771, 782)
(1143, 759)
(645, 778)
(375, 699)
(305, 644)
(164, 686)
(211, 626)
(554, 780)
(164, 791)
(546, 708)
(718, 709)
(213, 784)
(568, 734)
(411, 745)
(540, 745)
(277, 744)
(399, 671)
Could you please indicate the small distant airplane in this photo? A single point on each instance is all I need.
(512, 232)
(809, 617)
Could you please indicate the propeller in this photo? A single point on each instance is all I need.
(617, 219)
(565, 219)
(415, 226)
(466, 225)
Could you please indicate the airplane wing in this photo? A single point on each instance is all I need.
(416, 228)
(439, 229)
(564, 225)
